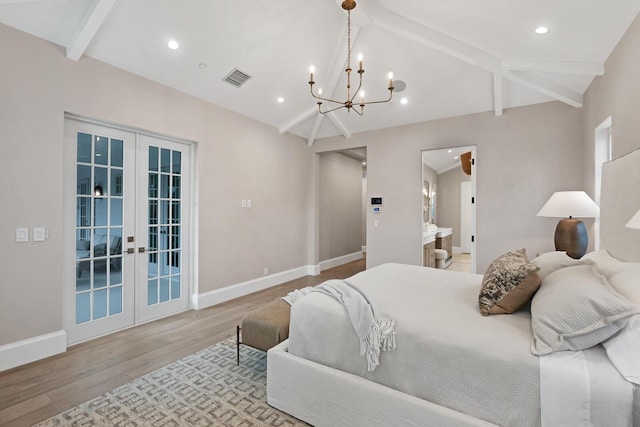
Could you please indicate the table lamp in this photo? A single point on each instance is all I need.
(634, 222)
(571, 234)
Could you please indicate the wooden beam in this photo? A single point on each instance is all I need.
(455, 48)
(546, 87)
(498, 89)
(314, 129)
(23, 1)
(562, 67)
(338, 124)
(88, 28)
(300, 118)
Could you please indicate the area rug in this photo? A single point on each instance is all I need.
(203, 389)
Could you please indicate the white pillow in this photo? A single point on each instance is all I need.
(607, 264)
(553, 261)
(623, 350)
(574, 309)
(627, 283)
(623, 276)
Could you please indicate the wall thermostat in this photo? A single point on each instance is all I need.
(376, 200)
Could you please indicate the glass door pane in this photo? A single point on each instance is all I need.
(164, 165)
(98, 228)
(99, 176)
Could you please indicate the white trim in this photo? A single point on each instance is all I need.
(364, 249)
(26, 351)
(334, 262)
(218, 296)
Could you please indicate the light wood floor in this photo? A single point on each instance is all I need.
(37, 391)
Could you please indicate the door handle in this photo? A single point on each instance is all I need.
(130, 250)
(141, 249)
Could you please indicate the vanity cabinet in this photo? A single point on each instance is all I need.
(429, 254)
(445, 242)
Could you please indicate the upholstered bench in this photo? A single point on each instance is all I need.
(264, 327)
(441, 258)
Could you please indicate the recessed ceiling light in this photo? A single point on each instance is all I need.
(403, 101)
(542, 30)
(456, 158)
(280, 100)
(202, 65)
(449, 151)
(173, 44)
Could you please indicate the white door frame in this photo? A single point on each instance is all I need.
(69, 241)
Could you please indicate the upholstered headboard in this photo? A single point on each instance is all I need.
(620, 199)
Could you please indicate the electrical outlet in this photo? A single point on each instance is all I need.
(266, 271)
(249, 203)
(244, 203)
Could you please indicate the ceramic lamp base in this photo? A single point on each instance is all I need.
(571, 237)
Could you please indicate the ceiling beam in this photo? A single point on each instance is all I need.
(336, 68)
(470, 54)
(562, 67)
(299, 119)
(338, 124)
(546, 87)
(314, 129)
(498, 89)
(88, 28)
(22, 1)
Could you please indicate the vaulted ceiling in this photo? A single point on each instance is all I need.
(456, 57)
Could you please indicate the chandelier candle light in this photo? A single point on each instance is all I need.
(348, 5)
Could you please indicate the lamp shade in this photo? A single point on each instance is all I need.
(568, 204)
(634, 222)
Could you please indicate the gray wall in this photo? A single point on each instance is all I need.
(238, 158)
(616, 94)
(448, 200)
(340, 217)
(522, 158)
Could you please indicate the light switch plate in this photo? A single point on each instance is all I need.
(39, 234)
(22, 235)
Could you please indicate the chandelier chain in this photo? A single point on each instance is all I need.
(348, 39)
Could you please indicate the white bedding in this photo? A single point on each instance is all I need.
(461, 364)
(450, 355)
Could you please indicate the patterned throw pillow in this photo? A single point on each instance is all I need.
(508, 284)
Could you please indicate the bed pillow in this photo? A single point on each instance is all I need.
(553, 261)
(623, 276)
(627, 283)
(607, 264)
(508, 284)
(574, 309)
(623, 350)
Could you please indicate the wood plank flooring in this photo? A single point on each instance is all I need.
(34, 392)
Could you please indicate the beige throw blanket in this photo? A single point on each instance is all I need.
(375, 335)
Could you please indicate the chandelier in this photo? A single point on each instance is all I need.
(349, 104)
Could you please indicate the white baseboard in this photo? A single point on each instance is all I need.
(330, 263)
(32, 349)
(456, 250)
(219, 296)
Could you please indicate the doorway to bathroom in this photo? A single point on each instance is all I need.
(449, 208)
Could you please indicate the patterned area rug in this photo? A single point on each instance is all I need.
(203, 389)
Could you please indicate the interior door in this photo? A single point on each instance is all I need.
(163, 239)
(99, 214)
(127, 200)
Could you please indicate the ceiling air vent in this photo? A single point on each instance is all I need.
(237, 77)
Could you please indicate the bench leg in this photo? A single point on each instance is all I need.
(238, 345)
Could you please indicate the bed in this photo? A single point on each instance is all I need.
(453, 367)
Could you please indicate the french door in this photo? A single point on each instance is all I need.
(127, 200)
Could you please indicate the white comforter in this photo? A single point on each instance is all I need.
(447, 353)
